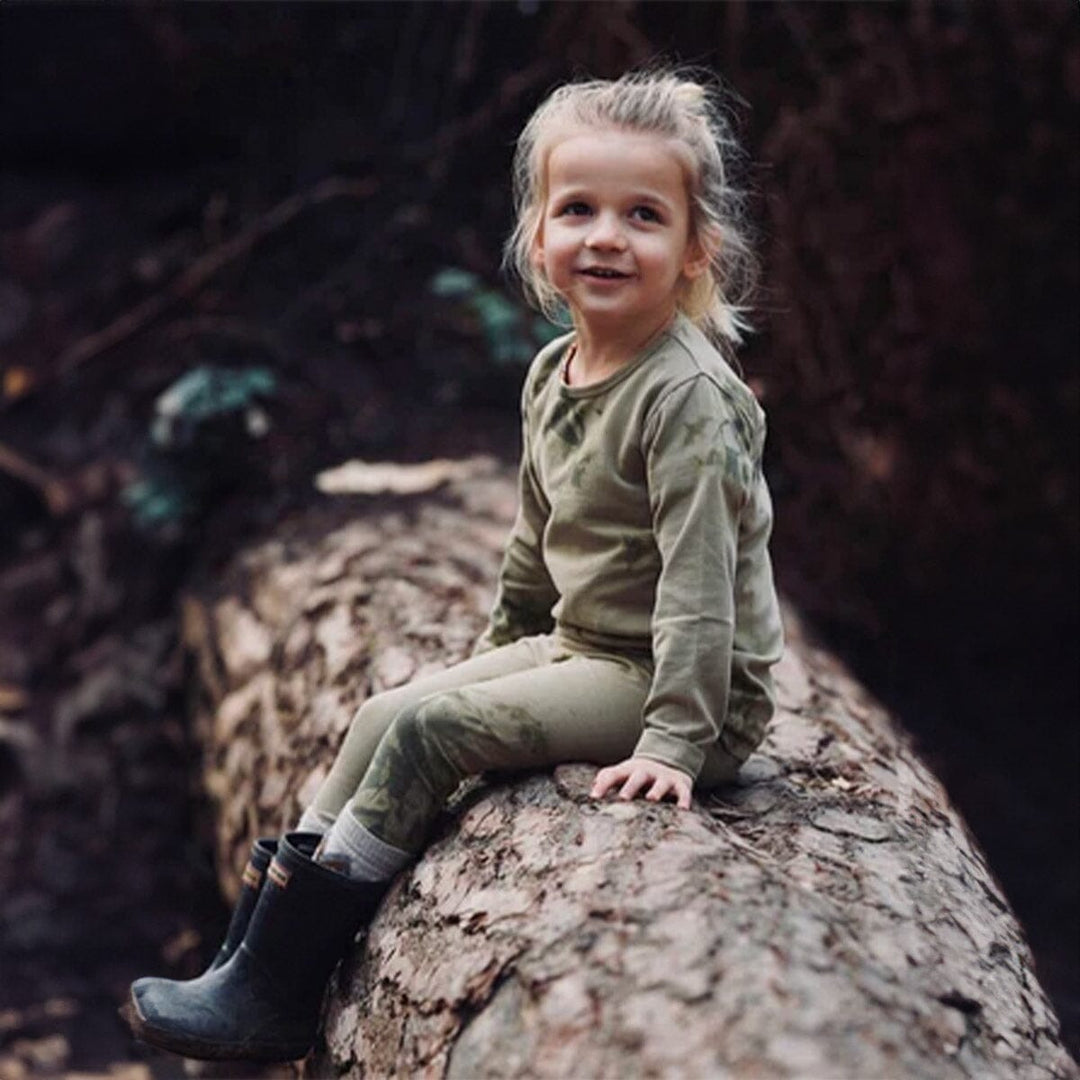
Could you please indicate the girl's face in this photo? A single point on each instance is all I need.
(615, 238)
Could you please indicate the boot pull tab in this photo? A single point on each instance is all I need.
(252, 876)
(279, 875)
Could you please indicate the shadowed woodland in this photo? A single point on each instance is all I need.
(240, 244)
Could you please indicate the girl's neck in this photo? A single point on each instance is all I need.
(597, 355)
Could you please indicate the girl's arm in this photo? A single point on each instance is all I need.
(525, 593)
(703, 454)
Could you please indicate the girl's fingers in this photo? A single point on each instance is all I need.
(660, 788)
(637, 780)
(607, 778)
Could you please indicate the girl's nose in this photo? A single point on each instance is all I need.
(606, 233)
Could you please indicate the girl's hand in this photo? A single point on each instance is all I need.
(636, 774)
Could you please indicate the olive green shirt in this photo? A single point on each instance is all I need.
(642, 529)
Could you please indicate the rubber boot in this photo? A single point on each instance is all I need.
(262, 851)
(264, 1003)
(251, 882)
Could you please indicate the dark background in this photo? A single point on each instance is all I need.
(913, 172)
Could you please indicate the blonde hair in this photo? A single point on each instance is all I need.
(674, 106)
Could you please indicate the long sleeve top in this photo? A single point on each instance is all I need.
(642, 527)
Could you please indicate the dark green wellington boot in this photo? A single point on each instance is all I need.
(262, 851)
(251, 882)
(264, 1003)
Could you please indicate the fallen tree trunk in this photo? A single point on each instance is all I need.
(828, 915)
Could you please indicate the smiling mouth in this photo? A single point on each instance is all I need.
(603, 272)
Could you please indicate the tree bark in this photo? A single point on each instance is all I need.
(827, 915)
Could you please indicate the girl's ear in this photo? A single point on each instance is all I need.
(700, 252)
(536, 248)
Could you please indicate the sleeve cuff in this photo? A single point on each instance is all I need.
(671, 750)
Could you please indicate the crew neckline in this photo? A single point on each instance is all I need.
(627, 369)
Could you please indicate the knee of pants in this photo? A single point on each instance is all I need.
(440, 729)
(378, 710)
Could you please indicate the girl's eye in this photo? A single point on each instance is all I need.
(645, 213)
(574, 209)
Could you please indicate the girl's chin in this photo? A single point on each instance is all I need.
(607, 295)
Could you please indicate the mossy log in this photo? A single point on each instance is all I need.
(827, 915)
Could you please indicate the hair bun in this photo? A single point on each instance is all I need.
(691, 93)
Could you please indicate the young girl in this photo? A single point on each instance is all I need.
(635, 622)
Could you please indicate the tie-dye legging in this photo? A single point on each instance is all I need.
(527, 705)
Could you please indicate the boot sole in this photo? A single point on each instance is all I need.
(201, 1049)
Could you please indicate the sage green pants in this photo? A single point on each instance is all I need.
(532, 704)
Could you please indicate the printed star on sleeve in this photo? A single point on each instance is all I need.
(693, 430)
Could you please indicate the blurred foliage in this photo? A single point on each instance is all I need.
(200, 403)
(200, 443)
(511, 333)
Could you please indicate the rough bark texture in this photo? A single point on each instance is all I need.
(358, 596)
(829, 915)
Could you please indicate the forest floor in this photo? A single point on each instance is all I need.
(104, 866)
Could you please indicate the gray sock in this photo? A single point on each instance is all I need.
(313, 820)
(354, 850)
